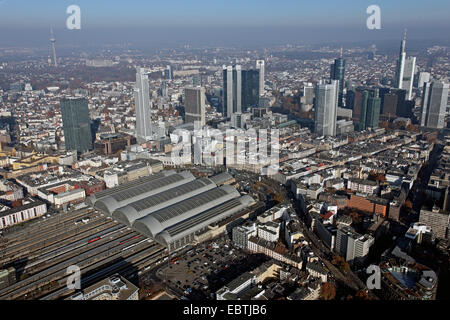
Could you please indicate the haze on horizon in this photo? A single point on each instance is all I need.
(228, 23)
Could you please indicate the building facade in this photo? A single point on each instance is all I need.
(434, 104)
(194, 105)
(142, 104)
(325, 114)
(76, 124)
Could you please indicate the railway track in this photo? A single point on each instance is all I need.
(56, 272)
(123, 267)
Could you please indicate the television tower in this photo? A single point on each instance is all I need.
(52, 42)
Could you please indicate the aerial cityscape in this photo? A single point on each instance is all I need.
(224, 163)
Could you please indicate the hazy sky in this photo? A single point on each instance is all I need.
(241, 21)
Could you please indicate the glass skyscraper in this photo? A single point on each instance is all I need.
(250, 88)
(409, 70)
(142, 102)
(260, 66)
(434, 104)
(325, 114)
(76, 124)
(338, 73)
(370, 110)
(240, 89)
(194, 105)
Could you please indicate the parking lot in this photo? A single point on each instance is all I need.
(202, 270)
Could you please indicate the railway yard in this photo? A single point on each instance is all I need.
(42, 252)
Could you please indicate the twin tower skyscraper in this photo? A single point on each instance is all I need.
(241, 88)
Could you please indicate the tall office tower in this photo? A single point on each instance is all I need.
(232, 90)
(408, 76)
(237, 89)
(366, 112)
(382, 92)
(236, 120)
(325, 114)
(423, 77)
(197, 80)
(308, 93)
(164, 89)
(373, 110)
(356, 103)
(250, 88)
(194, 105)
(390, 101)
(260, 66)
(337, 73)
(52, 42)
(434, 104)
(142, 103)
(168, 73)
(76, 124)
(350, 100)
(401, 64)
(227, 92)
(402, 108)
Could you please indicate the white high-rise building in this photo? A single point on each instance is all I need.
(260, 66)
(237, 90)
(423, 77)
(142, 103)
(325, 114)
(434, 104)
(232, 90)
(408, 76)
(353, 246)
(401, 64)
(308, 93)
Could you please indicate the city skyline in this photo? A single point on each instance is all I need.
(201, 151)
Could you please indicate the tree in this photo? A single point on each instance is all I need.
(355, 217)
(327, 291)
(340, 262)
(362, 295)
(407, 206)
(345, 267)
(380, 177)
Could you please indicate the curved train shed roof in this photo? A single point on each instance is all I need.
(137, 193)
(91, 200)
(218, 213)
(139, 209)
(156, 222)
